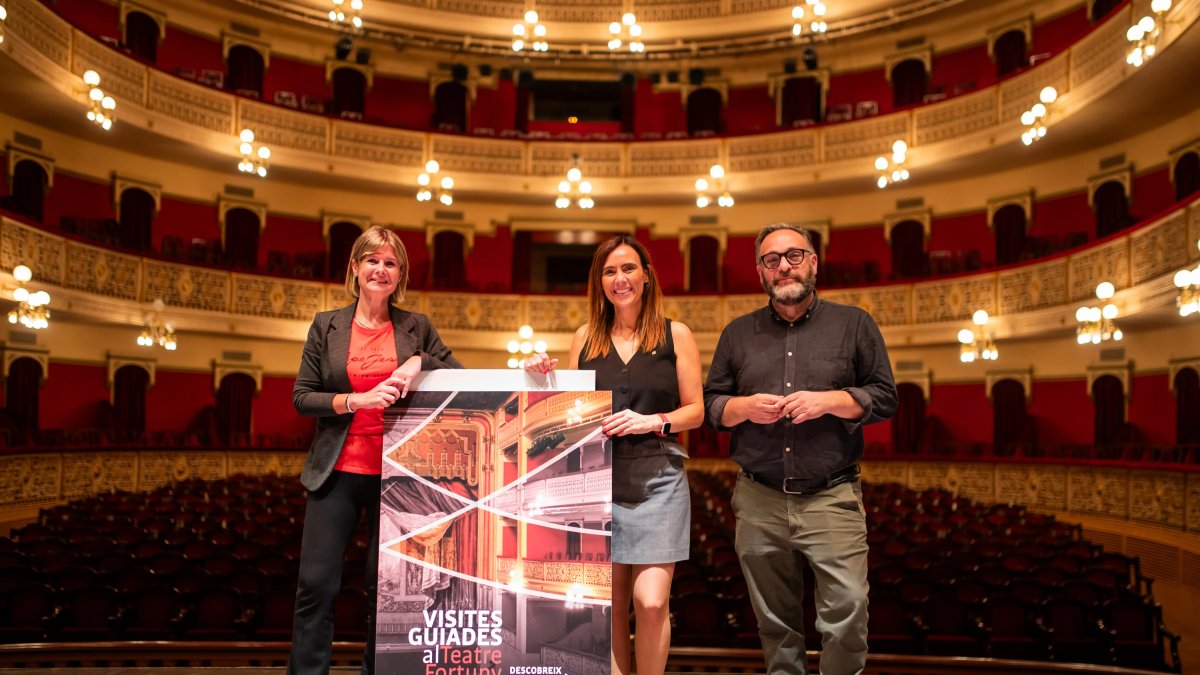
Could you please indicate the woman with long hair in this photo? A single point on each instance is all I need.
(652, 367)
(357, 361)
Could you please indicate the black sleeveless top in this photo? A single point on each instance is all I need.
(648, 384)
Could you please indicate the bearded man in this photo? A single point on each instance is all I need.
(795, 382)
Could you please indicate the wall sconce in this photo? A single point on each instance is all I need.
(628, 29)
(101, 105)
(442, 189)
(338, 13)
(255, 161)
(530, 29)
(817, 25)
(3, 18)
(1034, 119)
(889, 172)
(1098, 324)
(707, 193)
(977, 343)
(524, 344)
(157, 331)
(1188, 283)
(1143, 35)
(31, 310)
(574, 190)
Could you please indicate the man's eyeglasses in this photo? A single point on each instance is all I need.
(795, 256)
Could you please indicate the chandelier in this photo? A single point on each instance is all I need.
(977, 343)
(255, 161)
(524, 344)
(1188, 283)
(430, 186)
(31, 310)
(624, 31)
(574, 189)
(817, 25)
(1098, 324)
(1034, 119)
(157, 331)
(1144, 34)
(707, 193)
(3, 18)
(339, 15)
(888, 172)
(101, 105)
(529, 29)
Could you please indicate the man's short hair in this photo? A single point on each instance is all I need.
(775, 227)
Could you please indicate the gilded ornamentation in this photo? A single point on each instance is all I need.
(939, 301)
(1109, 262)
(888, 305)
(266, 463)
(785, 150)
(103, 272)
(955, 118)
(163, 468)
(598, 160)
(1193, 503)
(683, 158)
(369, 143)
(557, 314)
(879, 473)
(1103, 492)
(1033, 287)
(89, 473)
(29, 479)
(739, 305)
(191, 103)
(1161, 248)
(43, 253)
(186, 286)
(36, 24)
(928, 475)
(1019, 93)
(867, 138)
(1038, 487)
(279, 127)
(277, 298)
(123, 78)
(701, 315)
(1102, 52)
(442, 451)
(449, 311)
(1157, 498)
(476, 155)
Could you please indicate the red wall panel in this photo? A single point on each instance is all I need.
(857, 245)
(489, 266)
(176, 398)
(495, 109)
(750, 110)
(1063, 412)
(289, 235)
(963, 412)
(968, 69)
(182, 49)
(77, 197)
(1152, 194)
(90, 16)
(738, 268)
(668, 262)
(1061, 32)
(963, 233)
(657, 112)
(72, 394)
(400, 102)
(1151, 408)
(302, 79)
(1062, 215)
(186, 220)
(273, 412)
(863, 85)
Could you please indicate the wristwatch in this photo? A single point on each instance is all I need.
(666, 426)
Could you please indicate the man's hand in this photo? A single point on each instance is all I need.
(802, 406)
(757, 408)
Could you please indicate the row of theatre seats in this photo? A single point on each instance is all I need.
(193, 561)
(947, 577)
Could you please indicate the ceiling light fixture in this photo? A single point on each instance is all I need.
(628, 31)
(524, 344)
(1034, 119)
(1098, 324)
(1143, 35)
(431, 186)
(339, 15)
(1188, 283)
(254, 160)
(157, 331)
(977, 343)
(817, 25)
(574, 189)
(707, 193)
(101, 105)
(32, 309)
(530, 30)
(3, 18)
(893, 171)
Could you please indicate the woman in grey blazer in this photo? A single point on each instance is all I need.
(357, 361)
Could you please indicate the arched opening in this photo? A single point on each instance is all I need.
(1009, 50)
(246, 70)
(1009, 226)
(1108, 400)
(29, 185)
(1112, 208)
(574, 543)
(909, 81)
(141, 36)
(136, 218)
(1010, 419)
(22, 392)
(449, 260)
(704, 265)
(450, 107)
(1102, 8)
(801, 102)
(235, 401)
(704, 112)
(241, 238)
(908, 425)
(1187, 176)
(129, 398)
(1187, 406)
(349, 91)
(909, 258)
(342, 236)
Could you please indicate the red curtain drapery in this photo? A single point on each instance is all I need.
(241, 238)
(1009, 50)
(141, 36)
(129, 398)
(22, 393)
(704, 265)
(341, 240)
(1009, 226)
(1187, 406)
(450, 107)
(801, 101)
(909, 257)
(404, 495)
(349, 91)
(1187, 176)
(909, 81)
(704, 111)
(1112, 209)
(29, 183)
(136, 218)
(1108, 400)
(908, 425)
(1009, 416)
(235, 400)
(449, 260)
(246, 70)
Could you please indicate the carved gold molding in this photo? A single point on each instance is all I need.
(11, 354)
(223, 368)
(1023, 199)
(115, 363)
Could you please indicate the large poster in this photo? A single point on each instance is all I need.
(495, 512)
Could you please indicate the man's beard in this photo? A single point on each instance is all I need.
(791, 294)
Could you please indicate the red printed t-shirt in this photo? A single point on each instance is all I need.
(372, 359)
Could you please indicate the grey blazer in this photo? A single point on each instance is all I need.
(322, 375)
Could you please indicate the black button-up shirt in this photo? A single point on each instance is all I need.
(831, 347)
